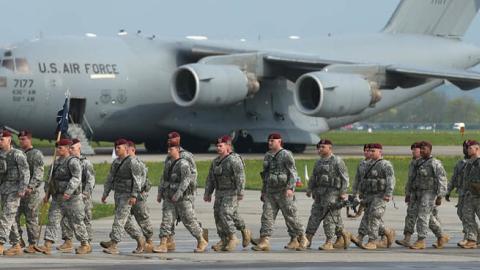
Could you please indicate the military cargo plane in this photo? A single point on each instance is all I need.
(142, 88)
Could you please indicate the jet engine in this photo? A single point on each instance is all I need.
(325, 94)
(212, 85)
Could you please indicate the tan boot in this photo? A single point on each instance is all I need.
(441, 241)
(162, 248)
(293, 244)
(390, 236)
(14, 250)
(419, 244)
(231, 245)
(339, 243)
(171, 243)
(22, 243)
(112, 249)
(148, 248)
(470, 244)
(462, 242)
(309, 238)
(219, 245)
(202, 245)
(328, 245)
(370, 245)
(263, 244)
(46, 248)
(246, 237)
(205, 234)
(84, 248)
(106, 244)
(382, 243)
(140, 246)
(302, 242)
(30, 249)
(2, 248)
(347, 236)
(406, 240)
(357, 240)
(254, 241)
(66, 247)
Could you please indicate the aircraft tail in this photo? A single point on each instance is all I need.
(445, 18)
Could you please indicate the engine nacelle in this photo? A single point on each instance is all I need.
(211, 85)
(325, 94)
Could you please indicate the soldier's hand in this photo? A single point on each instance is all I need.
(289, 193)
(104, 199)
(387, 198)
(438, 201)
(132, 201)
(207, 198)
(344, 197)
(447, 197)
(45, 199)
(262, 197)
(309, 194)
(21, 194)
(28, 191)
(240, 197)
(159, 198)
(407, 199)
(66, 196)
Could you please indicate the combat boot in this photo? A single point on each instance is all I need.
(84, 248)
(293, 244)
(162, 248)
(140, 246)
(358, 240)
(405, 241)
(219, 245)
(441, 241)
(390, 236)
(66, 247)
(231, 245)
(339, 243)
(201, 245)
(370, 245)
(419, 244)
(382, 243)
(148, 248)
(263, 244)
(46, 248)
(171, 243)
(112, 249)
(14, 250)
(328, 245)
(470, 244)
(462, 242)
(22, 243)
(254, 241)
(30, 249)
(205, 234)
(303, 243)
(2, 248)
(310, 239)
(106, 244)
(246, 237)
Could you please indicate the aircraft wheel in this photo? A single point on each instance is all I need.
(156, 147)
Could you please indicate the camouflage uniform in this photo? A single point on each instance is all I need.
(14, 178)
(88, 184)
(429, 182)
(176, 183)
(66, 179)
(457, 183)
(30, 204)
(227, 178)
(471, 207)
(328, 181)
(378, 182)
(356, 190)
(279, 174)
(125, 180)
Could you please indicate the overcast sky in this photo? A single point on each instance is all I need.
(217, 19)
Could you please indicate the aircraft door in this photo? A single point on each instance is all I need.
(77, 110)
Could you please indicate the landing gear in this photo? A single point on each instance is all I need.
(295, 147)
(243, 144)
(156, 147)
(194, 144)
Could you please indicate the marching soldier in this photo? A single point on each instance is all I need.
(328, 184)
(88, 184)
(14, 180)
(279, 177)
(29, 205)
(125, 180)
(176, 192)
(227, 178)
(65, 188)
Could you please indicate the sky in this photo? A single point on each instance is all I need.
(217, 19)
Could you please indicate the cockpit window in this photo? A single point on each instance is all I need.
(8, 64)
(21, 65)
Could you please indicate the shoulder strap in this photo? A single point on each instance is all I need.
(119, 166)
(170, 170)
(370, 168)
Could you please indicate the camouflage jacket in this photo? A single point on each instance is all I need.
(279, 171)
(410, 176)
(36, 166)
(361, 168)
(329, 174)
(88, 176)
(66, 176)
(226, 175)
(472, 177)
(456, 182)
(429, 175)
(146, 185)
(125, 176)
(14, 171)
(189, 157)
(177, 180)
(379, 178)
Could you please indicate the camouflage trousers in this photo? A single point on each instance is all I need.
(225, 212)
(9, 205)
(73, 210)
(420, 205)
(372, 222)
(274, 202)
(123, 220)
(332, 220)
(29, 207)
(184, 210)
(67, 230)
(141, 213)
(471, 210)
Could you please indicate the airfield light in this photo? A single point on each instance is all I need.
(243, 40)
(197, 37)
(294, 37)
(90, 35)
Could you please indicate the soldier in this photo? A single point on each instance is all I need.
(328, 184)
(376, 189)
(176, 192)
(471, 207)
(140, 210)
(279, 176)
(14, 180)
(457, 183)
(88, 184)
(65, 188)
(29, 205)
(227, 178)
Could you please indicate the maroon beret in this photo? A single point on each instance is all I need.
(173, 135)
(324, 141)
(425, 144)
(25, 133)
(376, 146)
(465, 143)
(173, 143)
(415, 145)
(6, 133)
(63, 142)
(121, 141)
(274, 136)
(472, 142)
(225, 139)
(131, 144)
(75, 141)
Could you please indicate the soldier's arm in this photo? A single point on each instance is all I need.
(137, 175)
(239, 176)
(24, 171)
(289, 164)
(210, 182)
(76, 171)
(90, 177)
(311, 182)
(390, 179)
(410, 176)
(343, 174)
(264, 175)
(454, 180)
(441, 177)
(37, 171)
(185, 176)
(108, 186)
(356, 181)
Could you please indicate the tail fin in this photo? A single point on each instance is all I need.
(446, 18)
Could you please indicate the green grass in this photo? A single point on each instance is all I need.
(399, 138)
(253, 168)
